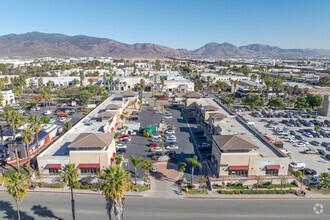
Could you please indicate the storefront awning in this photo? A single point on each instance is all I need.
(89, 165)
(56, 165)
(273, 167)
(238, 167)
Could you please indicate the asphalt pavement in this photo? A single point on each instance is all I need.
(140, 144)
(58, 206)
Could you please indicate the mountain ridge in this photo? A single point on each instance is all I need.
(38, 44)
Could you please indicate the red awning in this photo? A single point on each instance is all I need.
(89, 165)
(238, 167)
(273, 167)
(55, 165)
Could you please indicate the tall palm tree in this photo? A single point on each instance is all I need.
(70, 176)
(115, 182)
(27, 137)
(147, 166)
(17, 188)
(35, 126)
(193, 163)
(136, 161)
(15, 120)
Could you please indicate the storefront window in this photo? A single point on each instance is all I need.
(53, 171)
(272, 172)
(89, 170)
(238, 172)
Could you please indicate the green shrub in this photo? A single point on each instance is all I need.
(237, 191)
(53, 185)
(77, 185)
(85, 187)
(191, 186)
(8, 173)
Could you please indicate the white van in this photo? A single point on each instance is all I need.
(297, 165)
(251, 123)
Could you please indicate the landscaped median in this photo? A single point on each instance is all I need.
(250, 191)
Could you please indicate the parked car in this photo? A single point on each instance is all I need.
(312, 181)
(168, 116)
(316, 143)
(62, 120)
(198, 131)
(123, 140)
(153, 169)
(155, 135)
(299, 145)
(192, 120)
(156, 139)
(52, 120)
(311, 151)
(172, 147)
(63, 115)
(57, 111)
(170, 131)
(321, 152)
(153, 144)
(121, 146)
(297, 165)
(156, 149)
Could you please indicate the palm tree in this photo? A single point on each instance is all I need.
(17, 188)
(15, 120)
(27, 137)
(181, 167)
(35, 126)
(136, 161)
(70, 176)
(115, 182)
(193, 163)
(147, 166)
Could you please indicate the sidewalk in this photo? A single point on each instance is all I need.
(66, 190)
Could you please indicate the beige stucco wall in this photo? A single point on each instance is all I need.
(43, 161)
(101, 157)
(283, 162)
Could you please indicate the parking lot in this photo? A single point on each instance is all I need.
(313, 161)
(54, 116)
(140, 144)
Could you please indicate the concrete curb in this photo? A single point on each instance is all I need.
(259, 198)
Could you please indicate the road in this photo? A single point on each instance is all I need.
(57, 206)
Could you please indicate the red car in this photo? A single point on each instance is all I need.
(267, 138)
(80, 108)
(153, 144)
(125, 137)
(57, 110)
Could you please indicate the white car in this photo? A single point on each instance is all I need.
(62, 119)
(52, 120)
(297, 165)
(156, 136)
(154, 169)
(156, 149)
(37, 108)
(305, 142)
(311, 151)
(156, 139)
(168, 116)
(121, 146)
(47, 112)
(170, 140)
(285, 151)
(170, 131)
(172, 147)
(170, 136)
(299, 145)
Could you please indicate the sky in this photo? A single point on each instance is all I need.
(187, 24)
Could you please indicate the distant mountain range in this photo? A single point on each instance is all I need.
(36, 44)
